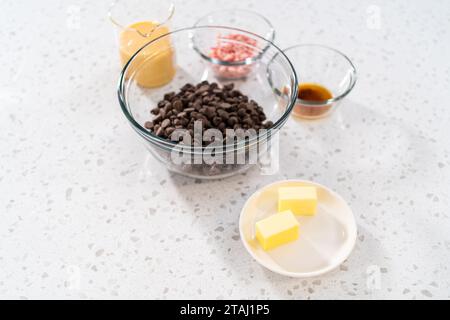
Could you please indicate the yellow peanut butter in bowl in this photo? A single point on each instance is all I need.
(155, 64)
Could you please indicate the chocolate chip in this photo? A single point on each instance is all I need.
(167, 107)
(268, 124)
(223, 114)
(169, 131)
(222, 126)
(165, 123)
(241, 112)
(248, 121)
(228, 87)
(187, 86)
(232, 121)
(210, 112)
(157, 119)
(225, 105)
(216, 120)
(149, 125)
(190, 97)
(168, 96)
(178, 105)
(202, 89)
(182, 114)
(159, 132)
(184, 121)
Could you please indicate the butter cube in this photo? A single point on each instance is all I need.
(277, 229)
(300, 200)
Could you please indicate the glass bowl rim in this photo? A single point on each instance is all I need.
(171, 144)
(236, 63)
(354, 74)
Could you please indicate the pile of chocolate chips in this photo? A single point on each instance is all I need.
(216, 107)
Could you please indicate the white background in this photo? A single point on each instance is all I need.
(85, 212)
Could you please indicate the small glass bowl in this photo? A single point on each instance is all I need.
(124, 14)
(324, 66)
(238, 19)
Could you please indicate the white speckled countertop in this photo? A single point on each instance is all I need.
(87, 213)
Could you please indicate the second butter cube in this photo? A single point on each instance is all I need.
(300, 200)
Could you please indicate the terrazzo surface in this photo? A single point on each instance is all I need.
(86, 212)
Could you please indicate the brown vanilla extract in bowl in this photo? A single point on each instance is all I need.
(308, 105)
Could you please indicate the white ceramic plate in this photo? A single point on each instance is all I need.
(326, 239)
